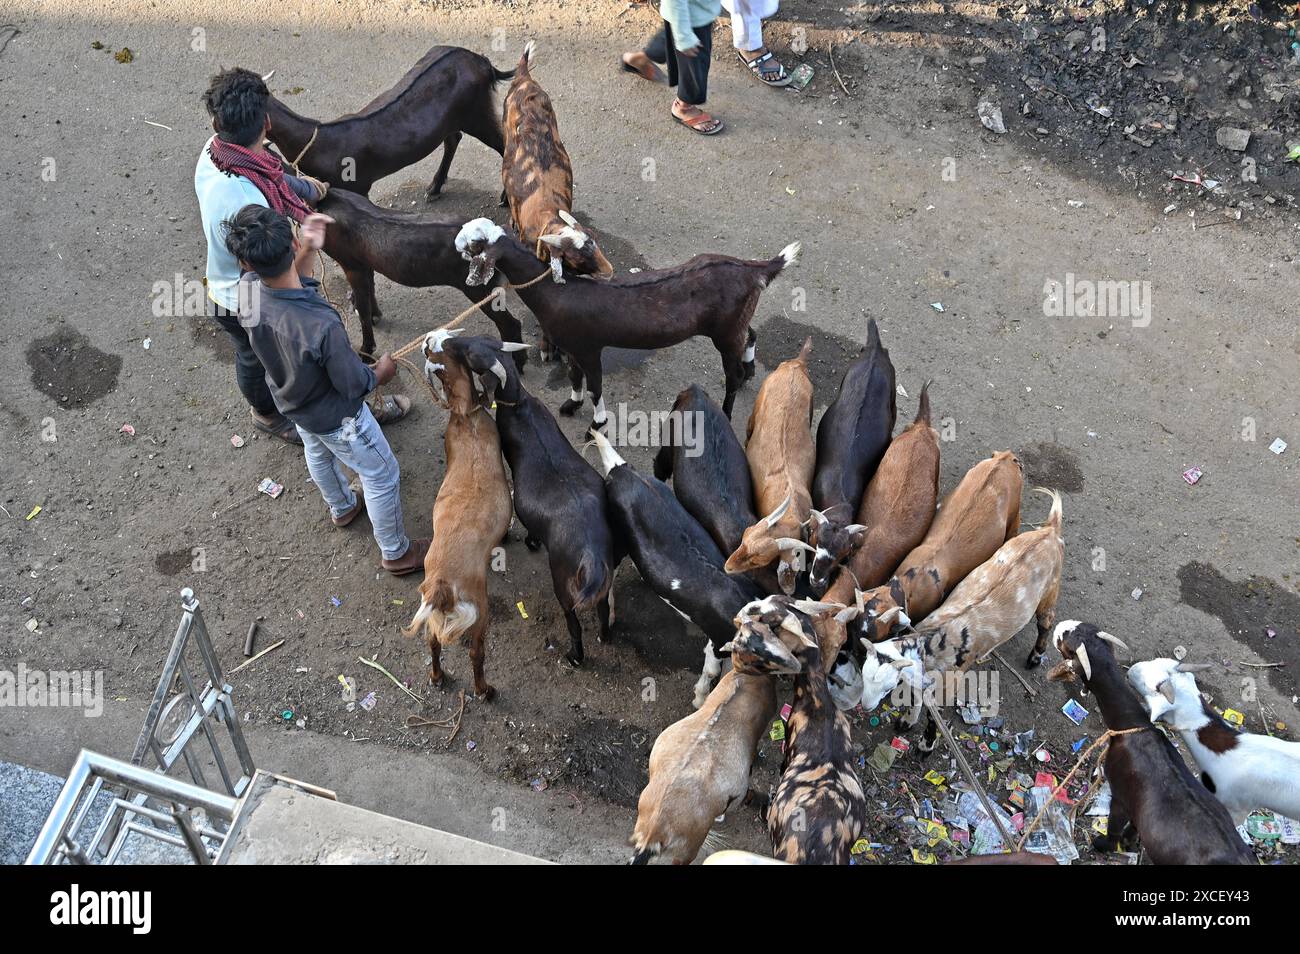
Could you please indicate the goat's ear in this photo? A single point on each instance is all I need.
(901, 663)
(1167, 690)
(568, 219)
(1193, 667)
(552, 240)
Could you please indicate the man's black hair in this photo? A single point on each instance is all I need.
(261, 237)
(236, 99)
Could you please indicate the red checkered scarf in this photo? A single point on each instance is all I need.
(263, 169)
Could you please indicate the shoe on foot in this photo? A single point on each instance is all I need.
(346, 518)
(411, 560)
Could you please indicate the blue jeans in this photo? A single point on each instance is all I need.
(360, 445)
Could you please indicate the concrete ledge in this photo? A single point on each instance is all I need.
(281, 824)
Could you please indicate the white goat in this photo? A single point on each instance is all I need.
(1245, 770)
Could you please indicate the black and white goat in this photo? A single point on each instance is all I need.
(1245, 770)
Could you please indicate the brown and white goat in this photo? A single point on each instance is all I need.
(700, 766)
(980, 515)
(470, 517)
(537, 183)
(449, 91)
(781, 457)
(1018, 583)
(818, 809)
(713, 296)
(897, 510)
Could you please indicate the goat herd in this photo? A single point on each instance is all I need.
(829, 559)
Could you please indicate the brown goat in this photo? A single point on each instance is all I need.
(897, 510)
(537, 183)
(1020, 582)
(470, 517)
(781, 457)
(700, 765)
(980, 515)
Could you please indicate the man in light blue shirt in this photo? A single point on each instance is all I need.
(236, 100)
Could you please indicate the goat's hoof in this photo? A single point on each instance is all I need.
(749, 370)
(594, 428)
(570, 407)
(1034, 660)
(574, 660)
(1103, 844)
(487, 695)
(439, 681)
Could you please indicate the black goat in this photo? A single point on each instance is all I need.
(852, 437)
(709, 470)
(412, 249)
(1178, 819)
(449, 91)
(713, 296)
(675, 556)
(559, 497)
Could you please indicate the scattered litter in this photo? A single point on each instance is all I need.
(1137, 593)
(1278, 446)
(270, 488)
(369, 701)
(1293, 152)
(236, 440)
(250, 661)
(1054, 835)
(349, 694)
(990, 114)
(393, 679)
(801, 76)
(1234, 717)
(937, 306)
(336, 601)
(522, 612)
(127, 429)
(397, 602)
(1094, 103)
(1074, 203)
(32, 625)
(471, 745)
(35, 510)
(923, 857)
(147, 343)
(881, 759)
(1265, 828)
(1074, 712)
(1193, 474)
(287, 715)
(902, 391)
(1232, 138)
(1022, 742)
(538, 785)
(125, 55)
(1043, 755)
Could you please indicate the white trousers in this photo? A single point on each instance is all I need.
(747, 18)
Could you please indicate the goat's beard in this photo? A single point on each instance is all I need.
(480, 270)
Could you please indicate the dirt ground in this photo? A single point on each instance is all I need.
(909, 212)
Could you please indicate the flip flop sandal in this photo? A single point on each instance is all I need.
(651, 72)
(285, 430)
(357, 509)
(776, 77)
(695, 123)
(391, 408)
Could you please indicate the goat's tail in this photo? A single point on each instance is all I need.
(644, 854)
(526, 59)
(1054, 516)
(774, 267)
(802, 356)
(500, 76)
(923, 410)
(591, 581)
(443, 615)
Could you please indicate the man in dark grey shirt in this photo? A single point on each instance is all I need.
(316, 379)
